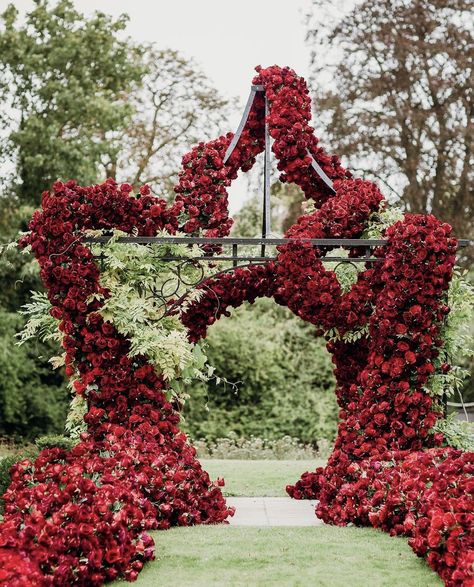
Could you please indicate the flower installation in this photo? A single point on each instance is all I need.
(83, 516)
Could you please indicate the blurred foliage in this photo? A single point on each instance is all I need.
(281, 374)
(33, 397)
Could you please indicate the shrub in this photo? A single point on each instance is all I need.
(55, 441)
(278, 379)
(254, 448)
(33, 397)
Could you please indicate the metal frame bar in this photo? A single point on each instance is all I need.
(315, 165)
(194, 240)
(165, 299)
(325, 244)
(266, 220)
(273, 258)
(243, 121)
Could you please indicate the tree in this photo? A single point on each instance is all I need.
(175, 108)
(398, 99)
(64, 79)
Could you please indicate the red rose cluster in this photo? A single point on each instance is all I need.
(203, 181)
(426, 495)
(294, 138)
(82, 516)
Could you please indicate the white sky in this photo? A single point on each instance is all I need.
(226, 38)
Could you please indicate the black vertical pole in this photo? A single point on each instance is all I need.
(266, 223)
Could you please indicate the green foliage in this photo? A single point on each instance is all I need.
(65, 75)
(380, 221)
(33, 397)
(458, 341)
(75, 417)
(282, 374)
(132, 274)
(54, 441)
(63, 80)
(457, 433)
(40, 324)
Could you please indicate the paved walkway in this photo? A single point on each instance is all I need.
(272, 511)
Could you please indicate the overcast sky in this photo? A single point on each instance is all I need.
(227, 38)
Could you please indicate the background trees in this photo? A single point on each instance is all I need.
(393, 87)
(64, 81)
(174, 108)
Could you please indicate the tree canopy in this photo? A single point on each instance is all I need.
(394, 88)
(64, 81)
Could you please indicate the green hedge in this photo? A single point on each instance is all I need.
(33, 397)
(282, 374)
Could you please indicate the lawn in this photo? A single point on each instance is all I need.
(266, 557)
(257, 478)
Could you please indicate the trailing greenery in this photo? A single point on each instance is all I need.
(135, 277)
(40, 323)
(457, 433)
(381, 220)
(457, 338)
(455, 354)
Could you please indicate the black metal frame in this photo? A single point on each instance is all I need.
(164, 296)
(266, 221)
(323, 244)
(215, 249)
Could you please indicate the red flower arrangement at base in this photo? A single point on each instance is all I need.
(82, 516)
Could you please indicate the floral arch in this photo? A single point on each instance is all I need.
(82, 516)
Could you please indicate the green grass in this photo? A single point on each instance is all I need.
(327, 556)
(257, 478)
(268, 557)
(6, 450)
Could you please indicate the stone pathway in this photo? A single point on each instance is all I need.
(272, 511)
